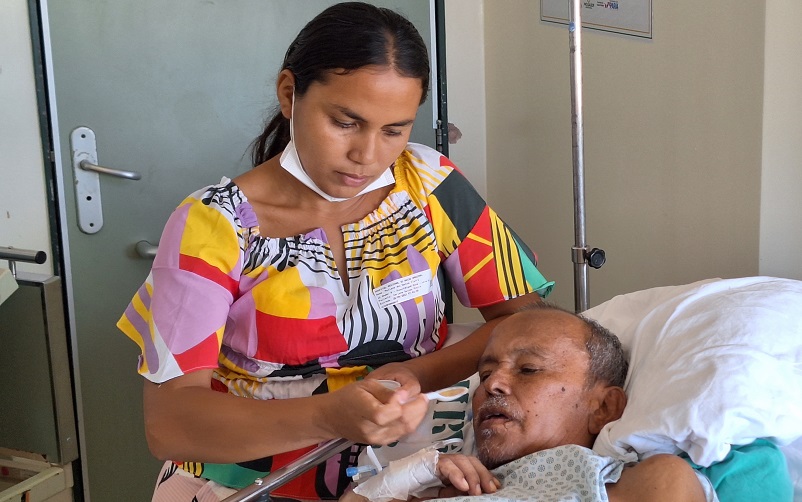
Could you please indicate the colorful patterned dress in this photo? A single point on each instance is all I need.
(271, 314)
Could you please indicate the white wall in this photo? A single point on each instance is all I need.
(675, 199)
(781, 200)
(673, 134)
(466, 101)
(466, 87)
(23, 204)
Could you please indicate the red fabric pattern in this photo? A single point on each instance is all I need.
(203, 269)
(207, 350)
(297, 341)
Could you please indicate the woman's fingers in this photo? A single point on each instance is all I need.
(414, 410)
(399, 373)
(368, 412)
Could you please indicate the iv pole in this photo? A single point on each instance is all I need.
(580, 255)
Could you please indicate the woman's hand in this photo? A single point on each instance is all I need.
(466, 475)
(399, 373)
(368, 412)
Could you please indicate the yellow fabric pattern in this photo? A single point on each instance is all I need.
(337, 378)
(508, 259)
(222, 251)
(449, 239)
(290, 298)
(130, 331)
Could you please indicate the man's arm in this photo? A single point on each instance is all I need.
(661, 478)
(462, 475)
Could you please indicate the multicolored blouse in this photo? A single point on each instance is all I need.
(272, 317)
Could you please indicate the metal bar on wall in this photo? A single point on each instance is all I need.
(55, 339)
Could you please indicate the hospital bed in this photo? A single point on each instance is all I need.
(713, 364)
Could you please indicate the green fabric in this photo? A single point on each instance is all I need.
(231, 475)
(756, 471)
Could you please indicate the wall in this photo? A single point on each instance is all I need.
(672, 142)
(23, 204)
(466, 89)
(466, 101)
(679, 186)
(781, 204)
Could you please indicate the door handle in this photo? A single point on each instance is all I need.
(119, 173)
(87, 179)
(146, 250)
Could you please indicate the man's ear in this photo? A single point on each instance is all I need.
(285, 86)
(609, 407)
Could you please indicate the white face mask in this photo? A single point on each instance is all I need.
(291, 163)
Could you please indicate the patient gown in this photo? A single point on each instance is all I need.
(569, 473)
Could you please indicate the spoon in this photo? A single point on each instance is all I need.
(447, 394)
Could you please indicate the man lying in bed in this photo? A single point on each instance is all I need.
(549, 382)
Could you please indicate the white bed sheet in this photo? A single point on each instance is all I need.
(793, 453)
(712, 364)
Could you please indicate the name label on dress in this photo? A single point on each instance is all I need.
(403, 289)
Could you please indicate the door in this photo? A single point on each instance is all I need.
(175, 92)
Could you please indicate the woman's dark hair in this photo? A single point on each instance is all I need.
(341, 39)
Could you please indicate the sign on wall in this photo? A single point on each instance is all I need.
(629, 17)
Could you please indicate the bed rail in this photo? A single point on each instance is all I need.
(261, 488)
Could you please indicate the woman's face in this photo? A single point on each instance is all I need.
(349, 129)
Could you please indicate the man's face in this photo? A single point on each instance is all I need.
(533, 393)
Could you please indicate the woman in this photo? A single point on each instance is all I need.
(298, 278)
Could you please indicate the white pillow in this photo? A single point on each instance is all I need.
(712, 364)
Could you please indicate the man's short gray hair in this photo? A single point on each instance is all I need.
(608, 362)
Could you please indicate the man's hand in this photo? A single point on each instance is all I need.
(466, 475)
